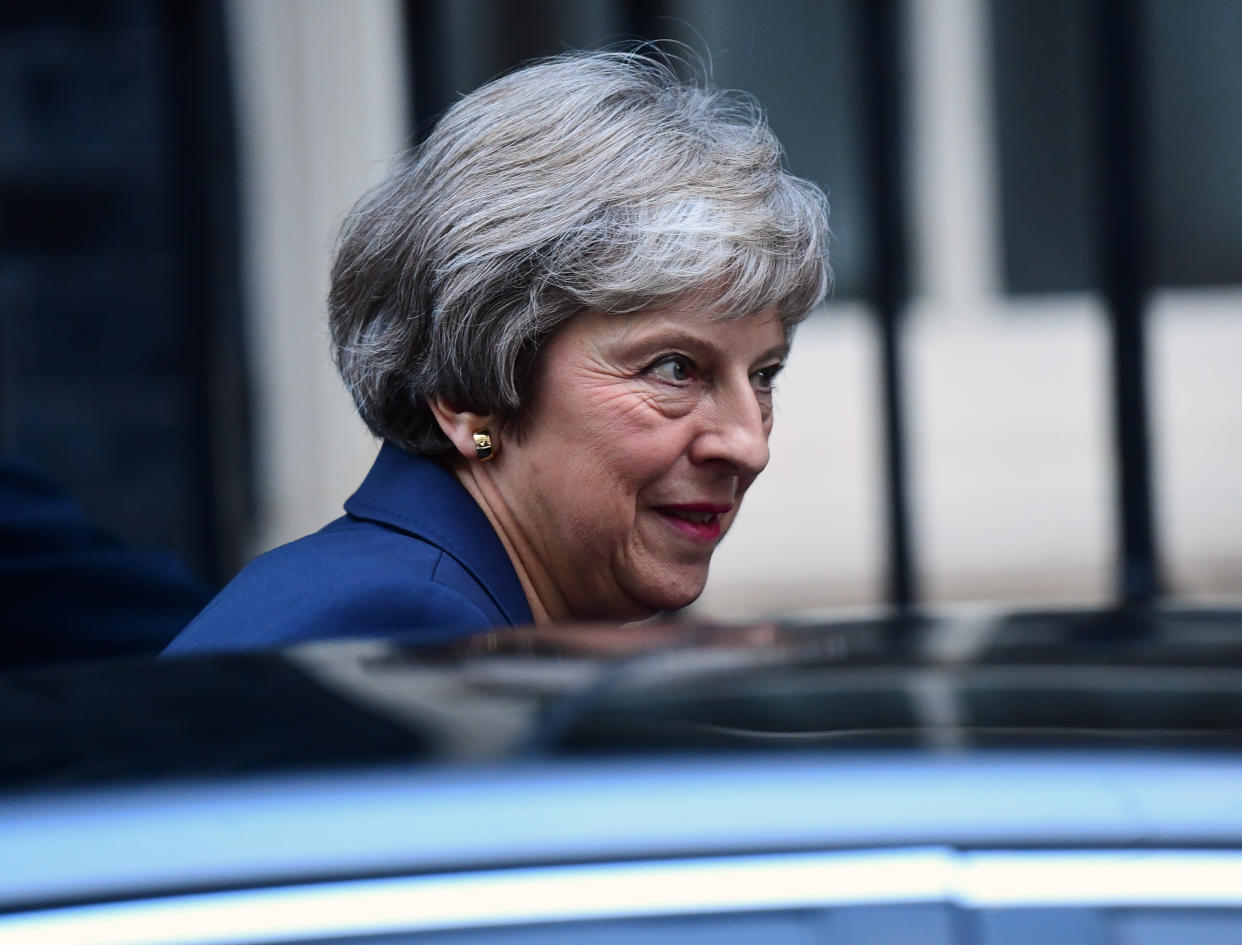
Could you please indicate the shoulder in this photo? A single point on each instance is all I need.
(352, 578)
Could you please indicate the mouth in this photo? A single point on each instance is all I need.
(700, 522)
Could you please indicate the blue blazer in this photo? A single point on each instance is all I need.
(413, 555)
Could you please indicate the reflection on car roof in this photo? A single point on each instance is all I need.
(1167, 678)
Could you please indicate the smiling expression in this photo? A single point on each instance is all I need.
(644, 433)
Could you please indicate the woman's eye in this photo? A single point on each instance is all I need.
(675, 369)
(764, 378)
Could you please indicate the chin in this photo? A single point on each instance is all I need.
(672, 595)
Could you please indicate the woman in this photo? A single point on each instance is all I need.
(563, 316)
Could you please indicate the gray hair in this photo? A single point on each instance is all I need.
(591, 181)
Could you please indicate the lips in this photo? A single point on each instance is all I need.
(697, 521)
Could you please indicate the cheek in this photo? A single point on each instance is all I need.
(618, 422)
(609, 444)
(632, 405)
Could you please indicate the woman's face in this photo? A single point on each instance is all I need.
(644, 433)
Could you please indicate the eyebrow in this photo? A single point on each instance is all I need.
(779, 352)
(679, 338)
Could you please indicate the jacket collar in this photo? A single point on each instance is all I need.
(417, 495)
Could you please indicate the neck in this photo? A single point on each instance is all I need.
(547, 605)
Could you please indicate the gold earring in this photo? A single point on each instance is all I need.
(483, 449)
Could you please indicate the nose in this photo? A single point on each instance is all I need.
(734, 433)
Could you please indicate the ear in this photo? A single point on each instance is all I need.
(460, 426)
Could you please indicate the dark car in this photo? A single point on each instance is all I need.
(1024, 778)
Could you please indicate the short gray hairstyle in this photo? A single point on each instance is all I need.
(590, 181)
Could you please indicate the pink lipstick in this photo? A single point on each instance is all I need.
(699, 521)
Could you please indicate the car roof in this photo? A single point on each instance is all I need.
(1167, 677)
(977, 731)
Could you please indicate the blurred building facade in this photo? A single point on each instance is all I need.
(122, 374)
(967, 337)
